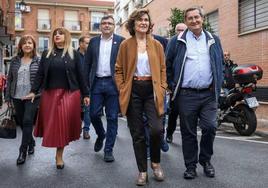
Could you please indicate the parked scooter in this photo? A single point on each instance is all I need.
(238, 105)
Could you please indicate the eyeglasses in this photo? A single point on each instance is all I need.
(107, 23)
(58, 32)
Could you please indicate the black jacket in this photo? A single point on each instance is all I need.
(13, 75)
(74, 72)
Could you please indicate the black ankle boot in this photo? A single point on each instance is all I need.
(22, 157)
(31, 149)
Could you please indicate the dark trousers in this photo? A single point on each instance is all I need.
(104, 94)
(142, 101)
(197, 108)
(172, 118)
(25, 114)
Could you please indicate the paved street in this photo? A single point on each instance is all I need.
(240, 163)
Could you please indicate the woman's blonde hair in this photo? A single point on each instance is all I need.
(67, 42)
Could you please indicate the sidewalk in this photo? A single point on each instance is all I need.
(262, 127)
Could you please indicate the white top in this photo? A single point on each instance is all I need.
(104, 67)
(143, 66)
(23, 86)
(197, 70)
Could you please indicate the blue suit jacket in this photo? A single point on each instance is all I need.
(92, 58)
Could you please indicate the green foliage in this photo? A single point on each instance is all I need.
(177, 16)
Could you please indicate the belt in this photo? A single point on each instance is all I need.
(196, 89)
(104, 77)
(142, 78)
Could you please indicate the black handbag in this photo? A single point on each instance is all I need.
(7, 125)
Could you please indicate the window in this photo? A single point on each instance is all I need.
(253, 14)
(18, 20)
(71, 21)
(95, 21)
(213, 20)
(43, 19)
(75, 43)
(43, 44)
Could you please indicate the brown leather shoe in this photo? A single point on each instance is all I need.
(158, 172)
(142, 179)
(86, 135)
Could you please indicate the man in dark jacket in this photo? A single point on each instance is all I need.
(173, 113)
(229, 66)
(99, 71)
(194, 75)
(83, 44)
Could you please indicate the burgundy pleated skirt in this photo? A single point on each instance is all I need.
(58, 120)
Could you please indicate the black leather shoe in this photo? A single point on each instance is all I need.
(169, 138)
(30, 150)
(60, 166)
(108, 157)
(208, 169)
(98, 144)
(22, 157)
(190, 173)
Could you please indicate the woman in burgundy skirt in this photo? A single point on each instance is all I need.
(60, 75)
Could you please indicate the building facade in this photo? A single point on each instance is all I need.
(80, 17)
(242, 26)
(122, 9)
(7, 29)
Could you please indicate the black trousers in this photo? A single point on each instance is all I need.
(25, 114)
(142, 100)
(197, 108)
(172, 117)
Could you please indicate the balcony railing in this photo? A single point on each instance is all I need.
(94, 26)
(43, 24)
(72, 25)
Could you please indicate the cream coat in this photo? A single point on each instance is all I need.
(126, 65)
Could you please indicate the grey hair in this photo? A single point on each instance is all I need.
(200, 10)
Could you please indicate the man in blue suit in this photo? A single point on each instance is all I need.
(99, 71)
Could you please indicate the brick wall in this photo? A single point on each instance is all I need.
(57, 18)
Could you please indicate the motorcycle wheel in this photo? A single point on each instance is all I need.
(249, 120)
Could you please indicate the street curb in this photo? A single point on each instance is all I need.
(257, 132)
(261, 133)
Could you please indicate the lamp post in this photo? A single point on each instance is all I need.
(22, 6)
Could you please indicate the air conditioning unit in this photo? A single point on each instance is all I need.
(76, 27)
(44, 26)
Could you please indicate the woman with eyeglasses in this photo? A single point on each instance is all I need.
(61, 76)
(22, 72)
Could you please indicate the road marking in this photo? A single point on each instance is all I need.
(237, 138)
(241, 139)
